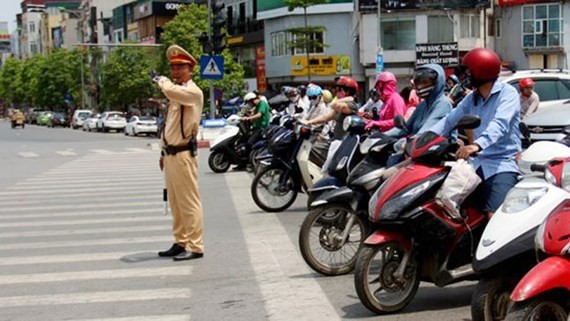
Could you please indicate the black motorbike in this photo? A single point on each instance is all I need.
(231, 150)
(332, 234)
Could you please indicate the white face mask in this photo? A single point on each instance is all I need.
(295, 99)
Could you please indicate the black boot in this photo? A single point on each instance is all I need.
(173, 251)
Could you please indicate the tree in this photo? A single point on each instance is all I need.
(10, 77)
(303, 37)
(184, 31)
(125, 77)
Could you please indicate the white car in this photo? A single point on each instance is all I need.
(79, 117)
(111, 120)
(90, 123)
(552, 86)
(141, 125)
(549, 123)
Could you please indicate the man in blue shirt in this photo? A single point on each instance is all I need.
(497, 140)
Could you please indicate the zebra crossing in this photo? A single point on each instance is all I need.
(67, 153)
(79, 242)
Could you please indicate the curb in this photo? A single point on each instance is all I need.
(203, 144)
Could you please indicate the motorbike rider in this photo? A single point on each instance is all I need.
(372, 107)
(529, 98)
(293, 96)
(394, 104)
(497, 140)
(304, 102)
(429, 81)
(452, 80)
(317, 105)
(260, 116)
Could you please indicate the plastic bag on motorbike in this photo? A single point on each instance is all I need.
(461, 181)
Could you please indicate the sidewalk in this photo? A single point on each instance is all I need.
(208, 135)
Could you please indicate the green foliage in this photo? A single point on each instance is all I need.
(293, 4)
(184, 30)
(125, 77)
(10, 85)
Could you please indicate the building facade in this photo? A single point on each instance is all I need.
(245, 40)
(31, 38)
(404, 25)
(533, 34)
(152, 15)
(339, 56)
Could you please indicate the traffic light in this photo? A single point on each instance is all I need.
(207, 47)
(218, 23)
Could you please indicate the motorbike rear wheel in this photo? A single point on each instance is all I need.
(266, 187)
(320, 239)
(219, 162)
(391, 295)
(537, 309)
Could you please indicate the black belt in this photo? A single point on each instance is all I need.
(173, 150)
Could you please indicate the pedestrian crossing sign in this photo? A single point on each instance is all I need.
(212, 67)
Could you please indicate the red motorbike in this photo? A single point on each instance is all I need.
(415, 239)
(544, 292)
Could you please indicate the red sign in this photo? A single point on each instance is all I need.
(260, 68)
(515, 2)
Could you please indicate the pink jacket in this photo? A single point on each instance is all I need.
(393, 105)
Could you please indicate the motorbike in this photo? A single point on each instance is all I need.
(346, 156)
(506, 249)
(230, 147)
(544, 292)
(17, 119)
(332, 234)
(285, 171)
(415, 238)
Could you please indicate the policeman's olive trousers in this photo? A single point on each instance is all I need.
(181, 172)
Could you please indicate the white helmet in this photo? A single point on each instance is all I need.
(249, 96)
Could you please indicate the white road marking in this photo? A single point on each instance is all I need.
(102, 151)
(138, 150)
(180, 270)
(146, 195)
(172, 317)
(277, 264)
(95, 297)
(85, 182)
(84, 257)
(47, 208)
(66, 153)
(28, 154)
(84, 243)
(83, 232)
(91, 195)
(37, 223)
(72, 191)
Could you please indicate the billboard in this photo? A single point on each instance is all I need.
(321, 65)
(277, 8)
(445, 54)
(372, 5)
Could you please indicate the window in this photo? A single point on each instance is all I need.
(33, 48)
(279, 44)
(440, 29)
(498, 28)
(32, 27)
(470, 26)
(399, 35)
(542, 25)
(549, 89)
(315, 36)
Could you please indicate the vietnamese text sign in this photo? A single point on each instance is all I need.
(372, 5)
(321, 65)
(445, 54)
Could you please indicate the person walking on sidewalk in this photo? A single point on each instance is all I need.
(178, 157)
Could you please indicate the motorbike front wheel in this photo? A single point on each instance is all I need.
(269, 194)
(491, 298)
(537, 309)
(321, 239)
(376, 285)
(219, 162)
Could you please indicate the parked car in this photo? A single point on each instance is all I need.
(59, 119)
(44, 118)
(90, 123)
(111, 120)
(78, 117)
(33, 116)
(549, 123)
(552, 86)
(141, 125)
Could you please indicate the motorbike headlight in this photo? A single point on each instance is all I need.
(519, 199)
(346, 123)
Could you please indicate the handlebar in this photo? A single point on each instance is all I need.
(538, 168)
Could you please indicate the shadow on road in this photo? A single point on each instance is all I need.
(141, 257)
(427, 299)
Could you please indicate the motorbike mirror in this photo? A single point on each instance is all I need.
(524, 131)
(468, 122)
(400, 122)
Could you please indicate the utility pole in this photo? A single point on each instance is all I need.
(211, 82)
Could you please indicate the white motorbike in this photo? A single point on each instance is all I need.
(506, 248)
